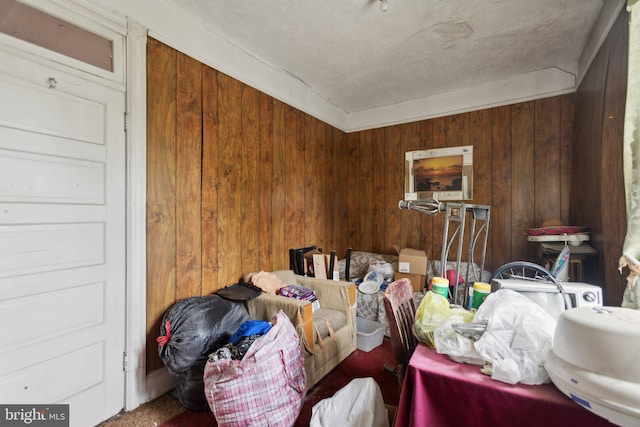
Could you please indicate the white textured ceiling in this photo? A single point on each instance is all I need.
(357, 58)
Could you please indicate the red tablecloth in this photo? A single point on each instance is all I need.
(440, 392)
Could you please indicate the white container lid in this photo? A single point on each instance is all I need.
(604, 340)
(369, 287)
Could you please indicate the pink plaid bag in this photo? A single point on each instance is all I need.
(266, 388)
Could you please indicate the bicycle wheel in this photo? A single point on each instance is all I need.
(525, 270)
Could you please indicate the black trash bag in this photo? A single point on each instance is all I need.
(194, 327)
(190, 389)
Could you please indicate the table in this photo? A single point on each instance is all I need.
(438, 392)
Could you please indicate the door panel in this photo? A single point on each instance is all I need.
(50, 380)
(70, 316)
(48, 111)
(30, 249)
(36, 178)
(62, 240)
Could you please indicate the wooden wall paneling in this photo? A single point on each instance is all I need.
(230, 170)
(594, 144)
(394, 179)
(583, 154)
(161, 191)
(324, 192)
(503, 145)
(210, 180)
(522, 179)
(367, 202)
(614, 216)
(188, 178)
(250, 200)
(312, 183)
(280, 251)
(502, 192)
(332, 187)
(349, 189)
(345, 174)
(340, 161)
(379, 193)
(566, 155)
(457, 130)
(346, 159)
(336, 185)
(265, 183)
(439, 132)
(547, 159)
(586, 203)
(411, 221)
(294, 181)
(332, 190)
(352, 188)
(331, 183)
(480, 137)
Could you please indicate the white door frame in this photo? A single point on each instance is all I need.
(140, 387)
(136, 293)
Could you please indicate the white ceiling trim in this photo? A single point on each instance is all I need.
(539, 84)
(179, 29)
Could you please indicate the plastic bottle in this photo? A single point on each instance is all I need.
(440, 286)
(480, 292)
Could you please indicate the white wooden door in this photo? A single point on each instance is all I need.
(62, 240)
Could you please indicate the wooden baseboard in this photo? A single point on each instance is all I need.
(158, 383)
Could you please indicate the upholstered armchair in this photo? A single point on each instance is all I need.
(328, 334)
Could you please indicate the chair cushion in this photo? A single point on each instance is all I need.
(321, 316)
(287, 276)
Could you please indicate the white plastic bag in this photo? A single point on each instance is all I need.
(357, 404)
(517, 339)
(454, 345)
(382, 267)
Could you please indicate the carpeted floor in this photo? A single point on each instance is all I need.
(152, 414)
(167, 412)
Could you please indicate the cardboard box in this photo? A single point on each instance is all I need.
(308, 256)
(419, 281)
(412, 261)
(319, 266)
